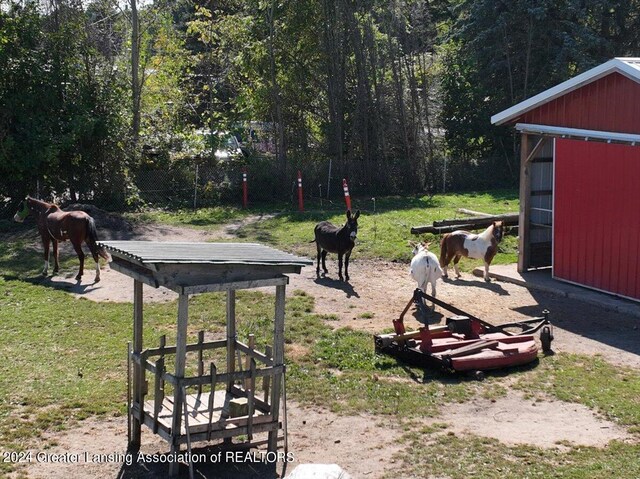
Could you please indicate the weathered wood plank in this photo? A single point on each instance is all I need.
(278, 359)
(226, 286)
(138, 370)
(189, 252)
(231, 334)
(180, 362)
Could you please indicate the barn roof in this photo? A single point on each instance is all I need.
(578, 133)
(629, 67)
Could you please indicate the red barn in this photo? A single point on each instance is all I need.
(580, 178)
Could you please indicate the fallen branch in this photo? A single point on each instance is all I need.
(471, 212)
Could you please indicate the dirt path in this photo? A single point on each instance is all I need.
(377, 293)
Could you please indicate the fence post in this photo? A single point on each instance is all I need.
(195, 190)
(300, 201)
(329, 179)
(244, 188)
(347, 198)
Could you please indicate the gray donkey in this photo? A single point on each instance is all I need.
(333, 239)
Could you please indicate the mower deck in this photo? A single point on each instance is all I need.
(466, 343)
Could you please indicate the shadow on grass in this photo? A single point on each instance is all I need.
(431, 373)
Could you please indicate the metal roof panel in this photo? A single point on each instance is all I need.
(630, 67)
(148, 252)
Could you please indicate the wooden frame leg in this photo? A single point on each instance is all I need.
(181, 357)
(138, 370)
(278, 360)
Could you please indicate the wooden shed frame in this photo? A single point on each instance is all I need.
(193, 268)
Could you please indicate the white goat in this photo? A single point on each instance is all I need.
(425, 268)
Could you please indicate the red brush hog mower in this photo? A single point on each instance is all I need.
(466, 343)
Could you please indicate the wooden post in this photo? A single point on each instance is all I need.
(525, 205)
(181, 357)
(250, 398)
(247, 362)
(200, 359)
(266, 380)
(278, 360)
(231, 334)
(138, 369)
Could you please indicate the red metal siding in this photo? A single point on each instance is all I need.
(596, 222)
(611, 103)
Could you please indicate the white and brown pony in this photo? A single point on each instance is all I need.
(463, 243)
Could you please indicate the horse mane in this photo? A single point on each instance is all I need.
(40, 202)
(486, 234)
(46, 207)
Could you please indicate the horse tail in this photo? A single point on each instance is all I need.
(92, 238)
(443, 249)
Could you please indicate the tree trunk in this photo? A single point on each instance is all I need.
(335, 85)
(396, 71)
(281, 152)
(135, 81)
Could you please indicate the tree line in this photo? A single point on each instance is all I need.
(390, 92)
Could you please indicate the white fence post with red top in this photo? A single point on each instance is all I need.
(347, 198)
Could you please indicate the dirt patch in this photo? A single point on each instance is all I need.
(514, 419)
(96, 448)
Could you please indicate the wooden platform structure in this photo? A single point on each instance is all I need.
(212, 403)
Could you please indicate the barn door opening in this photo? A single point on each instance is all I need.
(541, 218)
(536, 202)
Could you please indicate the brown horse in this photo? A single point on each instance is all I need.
(463, 243)
(56, 225)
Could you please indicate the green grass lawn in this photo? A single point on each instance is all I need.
(64, 359)
(383, 227)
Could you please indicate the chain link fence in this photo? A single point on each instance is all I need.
(180, 185)
(190, 184)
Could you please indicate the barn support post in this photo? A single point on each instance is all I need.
(525, 205)
(278, 360)
(138, 369)
(181, 356)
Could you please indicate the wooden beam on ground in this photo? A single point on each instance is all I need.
(484, 220)
(416, 230)
(454, 224)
